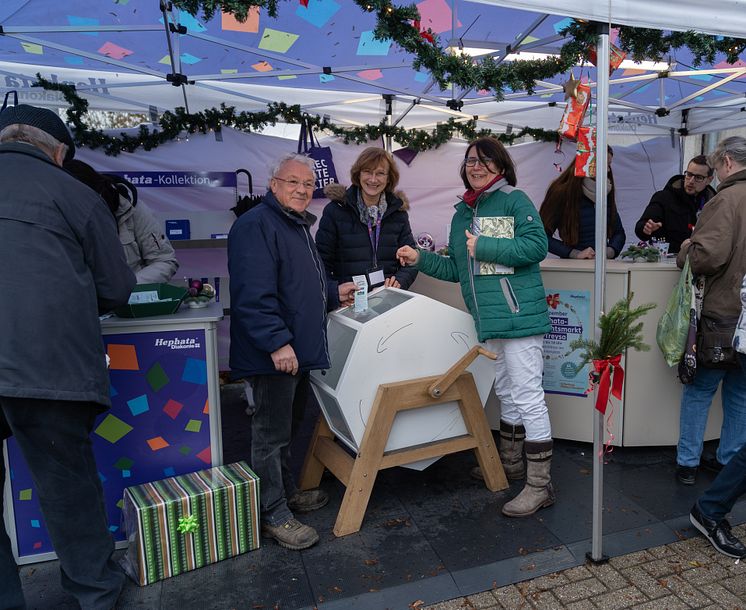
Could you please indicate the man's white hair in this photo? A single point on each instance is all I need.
(19, 132)
(287, 158)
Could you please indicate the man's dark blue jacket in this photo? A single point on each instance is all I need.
(278, 290)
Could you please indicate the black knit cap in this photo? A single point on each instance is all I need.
(41, 118)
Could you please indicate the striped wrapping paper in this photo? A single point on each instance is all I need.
(223, 500)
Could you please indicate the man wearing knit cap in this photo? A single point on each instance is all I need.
(62, 267)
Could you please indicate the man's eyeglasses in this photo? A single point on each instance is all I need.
(294, 184)
(379, 175)
(696, 177)
(472, 161)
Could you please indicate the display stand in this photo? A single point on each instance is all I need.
(164, 420)
(359, 473)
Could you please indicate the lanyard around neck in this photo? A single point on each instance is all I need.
(374, 243)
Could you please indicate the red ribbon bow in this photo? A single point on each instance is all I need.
(553, 300)
(604, 370)
(424, 33)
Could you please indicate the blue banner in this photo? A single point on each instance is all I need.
(178, 179)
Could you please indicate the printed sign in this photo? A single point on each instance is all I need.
(178, 179)
(569, 312)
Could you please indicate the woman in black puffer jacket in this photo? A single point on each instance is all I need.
(363, 226)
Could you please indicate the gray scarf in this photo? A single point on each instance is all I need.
(367, 212)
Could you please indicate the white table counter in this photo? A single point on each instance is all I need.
(648, 413)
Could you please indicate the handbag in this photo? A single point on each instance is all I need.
(715, 342)
(324, 171)
(673, 326)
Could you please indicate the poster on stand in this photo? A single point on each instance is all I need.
(570, 314)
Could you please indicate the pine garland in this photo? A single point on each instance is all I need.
(396, 23)
(620, 331)
(173, 124)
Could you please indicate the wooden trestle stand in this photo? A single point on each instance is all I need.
(359, 473)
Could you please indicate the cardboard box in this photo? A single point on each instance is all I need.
(183, 523)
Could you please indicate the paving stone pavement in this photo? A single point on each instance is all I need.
(685, 574)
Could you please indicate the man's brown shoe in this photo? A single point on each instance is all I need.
(292, 534)
(306, 501)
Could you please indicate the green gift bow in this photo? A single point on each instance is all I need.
(187, 525)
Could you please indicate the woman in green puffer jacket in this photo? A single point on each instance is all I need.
(496, 242)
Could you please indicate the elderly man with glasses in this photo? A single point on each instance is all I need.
(673, 211)
(279, 298)
(717, 253)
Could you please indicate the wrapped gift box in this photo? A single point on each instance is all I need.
(186, 522)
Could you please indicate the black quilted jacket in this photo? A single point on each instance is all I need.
(345, 246)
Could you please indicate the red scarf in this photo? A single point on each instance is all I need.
(470, 196)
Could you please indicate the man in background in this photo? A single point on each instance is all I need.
(278, 336)
(673, 211)
(717, 253)
(62, 266)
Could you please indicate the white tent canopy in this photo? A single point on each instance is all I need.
(720, 17)
(325, 59)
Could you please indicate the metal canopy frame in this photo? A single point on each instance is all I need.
(39, 35)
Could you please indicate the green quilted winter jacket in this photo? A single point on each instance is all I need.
(503, 305)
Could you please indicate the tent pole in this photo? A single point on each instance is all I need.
(599, 285)
(388, 99)
(174, 54)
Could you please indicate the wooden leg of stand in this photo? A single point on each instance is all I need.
(479, 428)
(367, 464)
(310, 474)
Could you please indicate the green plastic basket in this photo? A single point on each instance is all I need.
(170, 298)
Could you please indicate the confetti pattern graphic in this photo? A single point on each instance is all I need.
(158, 427)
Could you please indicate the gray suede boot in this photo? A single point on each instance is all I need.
(511, 452)
(538, 492)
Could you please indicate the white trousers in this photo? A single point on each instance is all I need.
(518, 372)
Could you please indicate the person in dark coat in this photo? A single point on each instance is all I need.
(570, 208)
(673, 211)
(363, 226)
(279, 301)
(62, 267)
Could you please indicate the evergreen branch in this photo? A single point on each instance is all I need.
(621, 329)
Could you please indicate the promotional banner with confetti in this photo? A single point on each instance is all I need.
(158, 427)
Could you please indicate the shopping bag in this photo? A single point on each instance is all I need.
(688, 363)
(325, 172)
(674, 323)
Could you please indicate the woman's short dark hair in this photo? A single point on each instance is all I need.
(370, 159)
(491, 148)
